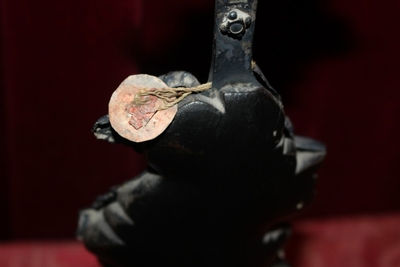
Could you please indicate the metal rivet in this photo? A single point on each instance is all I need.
(248, 22)
(232, 15)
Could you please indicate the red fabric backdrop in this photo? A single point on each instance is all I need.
(336, 63)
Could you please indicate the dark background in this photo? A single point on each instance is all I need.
(336, 63)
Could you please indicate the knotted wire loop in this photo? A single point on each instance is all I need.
(170, 96)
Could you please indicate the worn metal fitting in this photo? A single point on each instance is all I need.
(235, 23)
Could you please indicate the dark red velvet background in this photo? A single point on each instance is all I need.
(336, 63)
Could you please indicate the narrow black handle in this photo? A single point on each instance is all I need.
(233, 42)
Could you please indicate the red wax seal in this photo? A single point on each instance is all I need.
(139, 122)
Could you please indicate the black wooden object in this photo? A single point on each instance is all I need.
(222, 179)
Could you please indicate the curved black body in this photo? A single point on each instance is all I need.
(222, 178)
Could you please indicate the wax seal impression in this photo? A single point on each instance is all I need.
(139, 122)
